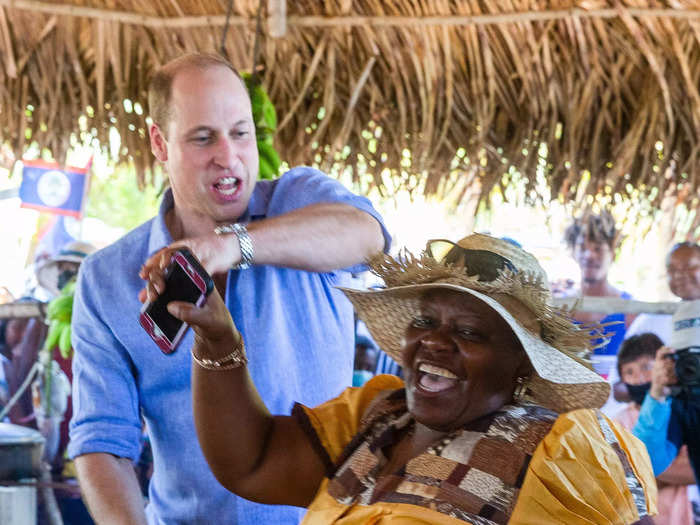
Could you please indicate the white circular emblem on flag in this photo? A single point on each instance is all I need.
(53, 188)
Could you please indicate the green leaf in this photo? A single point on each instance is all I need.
(64, 342)
(52, 337)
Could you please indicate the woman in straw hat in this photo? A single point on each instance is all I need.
(494, 424)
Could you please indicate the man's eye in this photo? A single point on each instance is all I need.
(201, 139)
(241, 133)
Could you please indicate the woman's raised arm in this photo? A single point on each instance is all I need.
(261, 457)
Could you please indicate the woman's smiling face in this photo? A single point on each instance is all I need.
(461, 360)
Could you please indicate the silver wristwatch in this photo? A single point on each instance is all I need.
(244, 240)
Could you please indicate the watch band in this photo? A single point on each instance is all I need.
(244, 241)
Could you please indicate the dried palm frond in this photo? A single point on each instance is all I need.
(610, 87)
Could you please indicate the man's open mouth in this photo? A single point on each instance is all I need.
(433, 378)
(227, 185)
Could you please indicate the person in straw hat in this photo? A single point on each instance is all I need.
(55, 272)
(495, 422)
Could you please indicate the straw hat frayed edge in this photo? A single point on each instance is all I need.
(562, 379)
(556, 326)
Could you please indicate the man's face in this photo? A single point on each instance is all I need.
(637, 372)
(208, 146)
(594, 258)
(684, 273)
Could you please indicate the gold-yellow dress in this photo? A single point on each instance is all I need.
(585, 470)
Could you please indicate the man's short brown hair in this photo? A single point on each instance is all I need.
(160, 86)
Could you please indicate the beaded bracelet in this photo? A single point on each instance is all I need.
(235, 359)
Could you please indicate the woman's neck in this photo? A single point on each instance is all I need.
(423, 437)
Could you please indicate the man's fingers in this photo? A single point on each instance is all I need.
(155, 278)
(663, 351)
(165, 257)
(158, 260)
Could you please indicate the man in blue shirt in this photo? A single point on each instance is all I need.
(277, 268)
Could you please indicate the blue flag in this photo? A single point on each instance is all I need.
(50, 188)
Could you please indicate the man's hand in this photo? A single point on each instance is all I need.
(663, 374)
(216, 253)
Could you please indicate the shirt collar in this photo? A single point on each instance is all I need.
(257, 206)
(160, 235)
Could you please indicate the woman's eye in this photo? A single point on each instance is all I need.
(421, 322)
(468, 333)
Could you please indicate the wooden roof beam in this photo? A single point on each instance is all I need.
(140, 19)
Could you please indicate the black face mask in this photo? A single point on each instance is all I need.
(64, 277)
(638, 392)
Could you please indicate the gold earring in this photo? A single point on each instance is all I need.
(520, 389)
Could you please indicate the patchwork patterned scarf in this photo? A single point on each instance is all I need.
(473, 474)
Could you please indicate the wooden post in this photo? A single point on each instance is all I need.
(609, 305)
(22, 310)
(277, 18)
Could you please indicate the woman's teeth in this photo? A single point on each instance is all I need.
(435, 379)
(436, 370)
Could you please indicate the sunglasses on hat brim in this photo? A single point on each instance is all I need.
(487, 265)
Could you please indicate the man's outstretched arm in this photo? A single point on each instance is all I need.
(110, 489)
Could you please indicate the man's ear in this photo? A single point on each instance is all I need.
(159, 146)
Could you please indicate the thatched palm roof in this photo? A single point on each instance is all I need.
(609, 86)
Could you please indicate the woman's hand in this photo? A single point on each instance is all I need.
(215, 333)
(663, 374)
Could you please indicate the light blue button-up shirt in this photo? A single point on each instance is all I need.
(298, 332)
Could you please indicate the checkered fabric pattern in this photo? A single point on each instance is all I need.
(474, 474)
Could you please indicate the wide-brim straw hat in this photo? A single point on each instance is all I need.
(515, 286)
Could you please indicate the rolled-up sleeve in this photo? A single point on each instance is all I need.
(652, 429)
(332, 425)
(304, 186)
(105, 399)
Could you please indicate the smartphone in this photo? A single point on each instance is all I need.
(185, 280)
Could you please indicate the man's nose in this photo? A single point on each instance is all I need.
(226, 153)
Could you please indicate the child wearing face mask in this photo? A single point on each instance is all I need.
(634, 364)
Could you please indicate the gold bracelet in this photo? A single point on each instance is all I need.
(235, 359)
